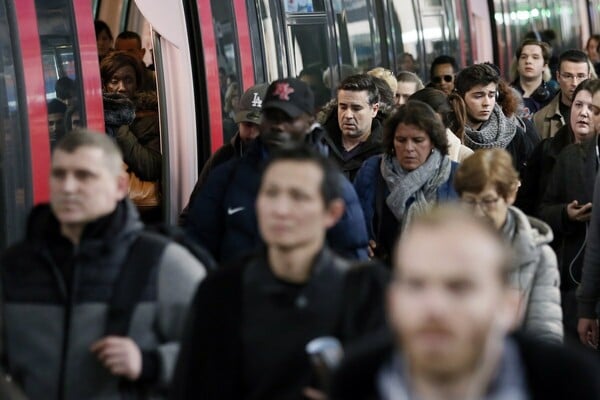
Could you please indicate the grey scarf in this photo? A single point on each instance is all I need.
(498, 131)
(421, 183)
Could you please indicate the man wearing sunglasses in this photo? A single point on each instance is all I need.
(443, 69)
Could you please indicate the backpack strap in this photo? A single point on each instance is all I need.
(144, 254)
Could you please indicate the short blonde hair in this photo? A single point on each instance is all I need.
(386, 75)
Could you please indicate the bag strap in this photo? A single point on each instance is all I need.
(143, 256)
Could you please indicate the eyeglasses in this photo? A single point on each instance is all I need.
(484, 204)
(446, 78)
(571, 77)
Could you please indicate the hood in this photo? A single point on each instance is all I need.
(108, 231)
(530, 233)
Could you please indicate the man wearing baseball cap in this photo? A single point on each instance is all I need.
(248, 121)
(222, 216)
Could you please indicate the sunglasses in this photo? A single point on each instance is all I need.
(446, 78)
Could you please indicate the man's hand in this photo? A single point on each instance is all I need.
(580, 213)
(372, 247)
(120, 355)
(588, 332)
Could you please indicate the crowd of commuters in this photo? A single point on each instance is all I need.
(439, 239)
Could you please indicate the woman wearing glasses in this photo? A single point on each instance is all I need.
(488, 182)
(412, 174)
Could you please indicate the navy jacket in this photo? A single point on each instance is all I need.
(367, 183)
(222, 216)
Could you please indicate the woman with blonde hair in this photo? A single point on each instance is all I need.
(487, 182)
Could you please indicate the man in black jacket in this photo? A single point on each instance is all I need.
(250, 322)
(356, 133)
(450, 308)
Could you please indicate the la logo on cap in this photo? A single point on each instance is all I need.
(256, 100)
(283, 91)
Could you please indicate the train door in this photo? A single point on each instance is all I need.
(426, 29)
(49, 84)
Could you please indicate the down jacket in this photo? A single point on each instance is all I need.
(56, 300)
(536, 276)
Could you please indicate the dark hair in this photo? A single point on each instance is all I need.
(421, 116)
(360, 82)
(546, 49)
(78, 138)
(116, 60)
(573, 55)
(127, 35)
(443, 59)
(331, 185)
(64, 87)
(101, 26)
(475, 75)
(452, 108)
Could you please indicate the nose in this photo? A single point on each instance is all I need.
(121, 87)
(281, 205)
(68, 183)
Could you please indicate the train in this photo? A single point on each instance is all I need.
(198, 43)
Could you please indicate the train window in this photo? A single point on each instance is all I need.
(63, 91)
(358, 34)
(406, 41)
(303, 6)
(14, 165)
(228, 61)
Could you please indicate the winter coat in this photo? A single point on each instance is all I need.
(536, 276)
(588, 292)
(222, 216)
(549, 120)
(456, 150)
(364, 150)
(340, 299)
(572, 179)
(370, 187)
(551, 372)
(537, 172)
(53, 316)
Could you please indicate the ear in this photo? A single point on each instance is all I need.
(375, 109)
(334, 212)
(122, 185)
(512, 310)
(512, 196)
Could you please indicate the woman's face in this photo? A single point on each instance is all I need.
(584, 116)
(488, 204)
(412, 146)
(104, 43)
(123, 81)
(592, 49)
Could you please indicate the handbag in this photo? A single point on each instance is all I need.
(144, 194)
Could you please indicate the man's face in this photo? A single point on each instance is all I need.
(531, 62)
(248, 131)
(569, 75)
(82, 186)
(447, 302)
(56, 124)
(584, 116)
(278, 127)
(131, 46)
(480, 101)
(404, 91)
(443, 77)
(290, 208)
(123, 81)
(355, 114)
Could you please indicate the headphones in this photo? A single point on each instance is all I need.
(542, 93)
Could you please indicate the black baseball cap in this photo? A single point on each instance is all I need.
(290, 95)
